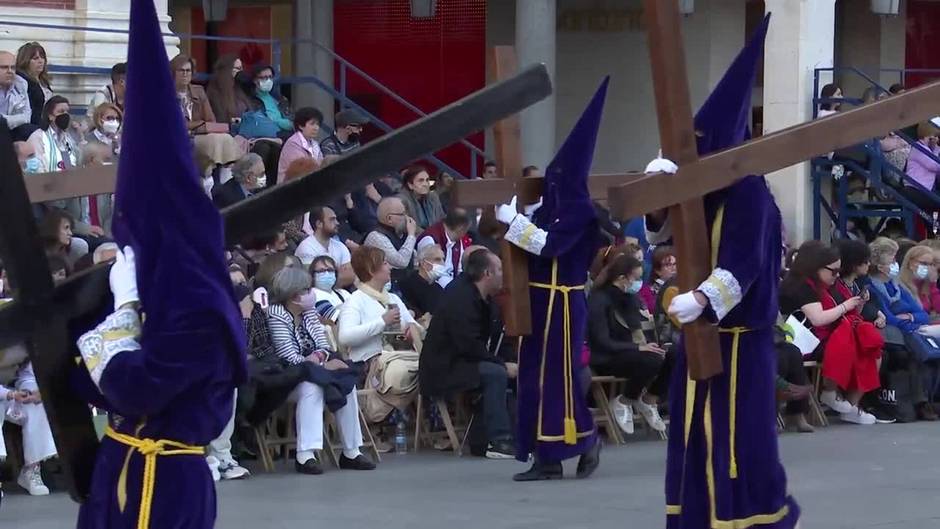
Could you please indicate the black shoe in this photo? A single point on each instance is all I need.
(502, 449)
(312, 467)
(541, 472)
(883, 414)
(361, 462)
(589, 461)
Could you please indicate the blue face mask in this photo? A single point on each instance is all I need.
(32, 165)
(633, 287)
(325, 280)
(922, 272)
(387, 287)
(894, 270)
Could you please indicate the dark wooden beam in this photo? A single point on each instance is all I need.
(480, 192)
(84, 181)
(776, 151)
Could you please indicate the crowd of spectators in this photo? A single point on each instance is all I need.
(363, 303)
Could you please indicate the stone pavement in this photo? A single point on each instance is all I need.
(845, 477)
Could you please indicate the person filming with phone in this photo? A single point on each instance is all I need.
(619, 347)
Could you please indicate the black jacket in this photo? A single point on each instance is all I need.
(36, 98)
(609, 310)
(227, 194)
(419, 295)
(458, 339)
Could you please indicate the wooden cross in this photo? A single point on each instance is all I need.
(517, 315)
(41, 312)
(682, 192)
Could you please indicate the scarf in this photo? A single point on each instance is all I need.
(381, 297)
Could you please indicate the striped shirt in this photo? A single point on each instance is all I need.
(293, 343)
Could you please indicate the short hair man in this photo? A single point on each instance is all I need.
(347, 128)
(14, 101)
(489, 170)
(248, 177)
(531, 170)
(458, 356)
(420, 288)
(394, 235)
(110, 93)
(324, 241)
(450, 235)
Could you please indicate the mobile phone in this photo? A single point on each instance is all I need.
(260, 297)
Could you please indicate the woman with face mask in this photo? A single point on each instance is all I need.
(106, 126)
(919, 277)
(274, 104)
(299, 338)
(329, 297)
(619, 348)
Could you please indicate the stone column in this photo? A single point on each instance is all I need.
(535, 43)
(80, 48)
(800, 39)
(313, 19)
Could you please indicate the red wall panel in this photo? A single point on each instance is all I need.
(923, 36)
(430, 62)
(240, 21)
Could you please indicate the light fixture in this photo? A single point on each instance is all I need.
(686, 7)
(214, 10)
(886, 7)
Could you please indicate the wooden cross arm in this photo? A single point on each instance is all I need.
(436, 131)
(775, 151)
(485, 192)
(92, 180)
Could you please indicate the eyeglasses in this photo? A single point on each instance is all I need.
(835, 271)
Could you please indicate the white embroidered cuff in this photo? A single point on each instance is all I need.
(116, 334)
(660, 236)
(722, 290)
(526, 235)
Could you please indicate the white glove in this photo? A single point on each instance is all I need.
(661, 165)
(685, 308)
(506, 213)
(123, 278)
(531, 208)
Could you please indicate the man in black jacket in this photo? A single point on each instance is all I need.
(457, 355)
(248, 177)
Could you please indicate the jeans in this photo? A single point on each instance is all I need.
(493, 382)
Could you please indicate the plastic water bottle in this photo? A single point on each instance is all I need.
(401, 437)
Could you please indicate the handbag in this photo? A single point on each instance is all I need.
(209, 127)
(800, 335)
(257, 124)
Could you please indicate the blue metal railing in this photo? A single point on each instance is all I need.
(476, 155)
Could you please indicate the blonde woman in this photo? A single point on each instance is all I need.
(919, 276)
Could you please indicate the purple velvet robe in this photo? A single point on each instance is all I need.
(721, 473)
(549, 362)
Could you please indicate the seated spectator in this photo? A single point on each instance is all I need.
(55, 231)
(619, 349)
(275, 106)
(366, 319)
(608, 254)
(451, 236)
(302, 144)
(269, 267)
(257, 246)
(919, 277)
(395, 236)
(421, 203)
(55, 148)
(248, 178)
(663, 269)
(112, 93)
(922, 169)
(100, 207)
(458, 355)
(420, 289)
(805, 289)
(15, 106)
(105, 126)
(324, 241)
(32, 65)
(793, 386)
(229, 102)
(905, 315)
(220, 147)
(300, 339)
(346, 133)
(330, 298)
(22, 405)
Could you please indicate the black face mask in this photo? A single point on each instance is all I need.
(62, 121)
(353, 138)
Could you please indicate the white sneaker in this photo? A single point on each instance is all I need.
(650, 413)
(234, 471)
(858, 417)
(623, 414)
(31, 479)
(836, 402)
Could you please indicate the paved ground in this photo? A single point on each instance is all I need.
(845, 477)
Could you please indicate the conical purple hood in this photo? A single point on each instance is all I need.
(565, 182)
(722, 122)
(160, 206)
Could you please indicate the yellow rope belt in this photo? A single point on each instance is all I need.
(736, 333)
(150, 449)
(571, 427)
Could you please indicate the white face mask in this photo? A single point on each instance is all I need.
(387, 287)
(262, 181)
(266, 85)
(111, 126)
(437, 271)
